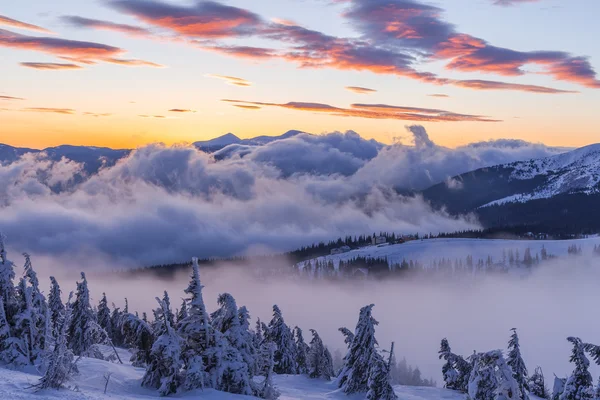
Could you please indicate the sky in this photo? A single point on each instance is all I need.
(125, 73)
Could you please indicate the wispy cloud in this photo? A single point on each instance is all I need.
(247, 106)
(50, 66)
(440, 95)
(493, 85)
(4, 20)
(151, 116)
(2, 97)
(93, 114)
(232, 80)
(66, 111)
(360, 90)
(373, 111)
(82, 22)
(181, 110)
(512, 2)
(133, 62)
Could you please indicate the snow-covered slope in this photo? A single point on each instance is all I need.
(577, 171)
(228, 139)
(125, 384)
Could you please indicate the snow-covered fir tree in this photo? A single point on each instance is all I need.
(139, 336)
(516, 363)
(537, 384)
(28, 326)
(302, 350)
(449, 372)
(483, 383)
(38, 302)
(247, 347)
(55, 305)
(61, 361)
(508, 387)
(320, 364)
(225, 367)
(116, 335)
(164, 370)
(196, 331)
(181, 313)
(558, 387)
(281, 334)
(7, 287)
(354, 377)
(580, 385)
(380, 387)
(84, 332)
(12, 349)
(103, 315)
(267, 389)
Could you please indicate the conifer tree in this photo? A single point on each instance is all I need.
(7, 287)
(139, 336)
(246, 345)
(320, 364)
(27, 325)
(267, 390)
(12, 349)
(483, 383)
(84, 332)
(354, 376)
(196, 331)
(579, 385)
(38, 302)
(508, 387)
(164, 370)
(115, 321)
(103, 316)
(516, 363)
(55, 305)
(449, 373)
(182, 313)
(61, 361)
(380, 387)
(280, 334)
(225, 367)
(537, 384)
(302, 350)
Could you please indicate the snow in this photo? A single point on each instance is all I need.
(125, 384)
(227, 139)
(577, 171)
(427, 251)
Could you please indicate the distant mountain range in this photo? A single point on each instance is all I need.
(220, 142)
(558, 192)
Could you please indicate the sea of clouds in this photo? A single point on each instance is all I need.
(164, 204)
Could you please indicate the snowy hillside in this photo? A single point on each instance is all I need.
(125, 383)
(577, 171)
(431, 250)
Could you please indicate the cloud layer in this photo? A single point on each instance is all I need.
(163, 204)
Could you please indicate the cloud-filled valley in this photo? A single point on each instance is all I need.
(162, 204)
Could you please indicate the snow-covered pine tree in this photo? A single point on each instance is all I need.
(348, 336)
(329, 370)
(225, 367)
(84, 332)
(38, 301)
(7, 286)
(226, 319)
(248, 349)
(537, 384)
(380, 387)
(182, 313)
(115, 321)
(164, 370)
(27, 325)
(302, 350)
(55, 305)
(508, 387)
(139, 337)
(558, 387)
(449, 372)
(103, 316)
(516, 363)
(267, 389)
(320, 364)
(61, 361)
(483, 383)
(196, 332)
(280, 334)
(12, 349)
(579, 385)
(354, 377)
